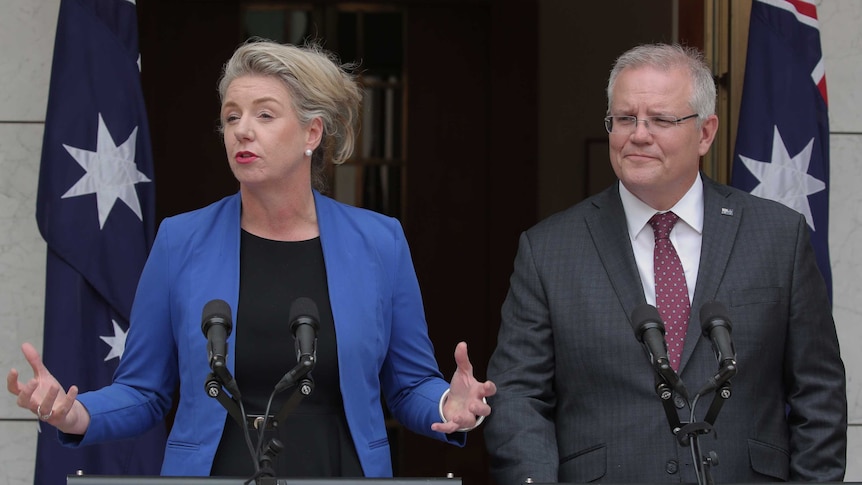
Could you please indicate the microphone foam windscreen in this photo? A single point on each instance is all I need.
(303, 307)
(713, 309)
(216, 309)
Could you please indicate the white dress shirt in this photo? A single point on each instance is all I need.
(686, 236)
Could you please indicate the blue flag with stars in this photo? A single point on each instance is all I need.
(95, 209)
(782, 145)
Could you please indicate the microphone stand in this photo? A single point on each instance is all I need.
(688, 434)
(645, 319)
(265, 475)
(665, 393)
(265, 455)
(215, 389)
(214, 386)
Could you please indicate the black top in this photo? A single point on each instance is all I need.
(317, 441)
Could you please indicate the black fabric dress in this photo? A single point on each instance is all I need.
(317, 441)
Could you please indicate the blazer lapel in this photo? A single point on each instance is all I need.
(607, 226)
(720, 225)
(340, 257)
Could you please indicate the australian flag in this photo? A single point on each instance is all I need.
(782, 146)
(95, 209)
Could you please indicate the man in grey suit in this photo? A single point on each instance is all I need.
(577, 398)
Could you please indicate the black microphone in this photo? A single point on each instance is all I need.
(649, 330)
(716, 327)
(304, 319)
(216, 325)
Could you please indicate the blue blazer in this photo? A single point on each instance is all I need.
(381, 334)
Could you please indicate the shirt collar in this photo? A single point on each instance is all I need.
(689, 209)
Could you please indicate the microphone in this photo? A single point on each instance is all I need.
(649, 330)
(216, 325)
(304, 319)
(716, 327)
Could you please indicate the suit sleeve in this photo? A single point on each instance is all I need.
(520, 433)
(814, 375)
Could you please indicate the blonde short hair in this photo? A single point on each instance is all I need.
(320, 86)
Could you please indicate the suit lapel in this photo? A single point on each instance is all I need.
(607, 226)
(722, 214)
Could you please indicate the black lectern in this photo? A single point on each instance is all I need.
(127, 480)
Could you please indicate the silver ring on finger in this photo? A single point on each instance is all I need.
(43, 417)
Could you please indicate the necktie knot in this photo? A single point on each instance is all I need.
(662, 224)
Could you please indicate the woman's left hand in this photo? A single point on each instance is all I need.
(464, 405)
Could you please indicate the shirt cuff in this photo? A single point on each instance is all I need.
(479, 419)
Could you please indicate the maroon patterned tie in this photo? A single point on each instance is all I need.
(671, 291)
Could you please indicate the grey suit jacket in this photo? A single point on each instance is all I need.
(576, 398)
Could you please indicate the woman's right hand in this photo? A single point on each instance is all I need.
(44, 396)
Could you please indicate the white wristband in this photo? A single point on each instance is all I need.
(479, 419)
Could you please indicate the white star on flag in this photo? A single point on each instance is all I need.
(111, 173)
(117, 342)
(785, 179)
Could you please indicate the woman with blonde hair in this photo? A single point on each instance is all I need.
(285, 112)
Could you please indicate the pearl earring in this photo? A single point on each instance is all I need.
(308, 152)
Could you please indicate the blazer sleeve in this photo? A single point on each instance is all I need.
(141, 393)
(410, 377)
(521, 429)
(814, 375)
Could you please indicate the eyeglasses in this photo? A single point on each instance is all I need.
(625, 125)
